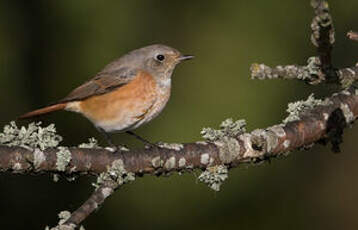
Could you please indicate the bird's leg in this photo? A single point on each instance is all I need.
(108, 138)
(142, 139)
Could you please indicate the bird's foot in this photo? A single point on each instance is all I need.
(120, 149)
(149, 145)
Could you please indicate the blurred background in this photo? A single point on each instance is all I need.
(47, 48)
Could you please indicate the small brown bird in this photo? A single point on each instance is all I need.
(126, 94)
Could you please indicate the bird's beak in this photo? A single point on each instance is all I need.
(185, 57)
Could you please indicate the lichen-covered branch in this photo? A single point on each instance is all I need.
(322, 33)
(107, 183)
(318, 69)
(348, 76)
(306, 124)
(310, 73)
(352, 35)
(91, 204)
(309, 122)
(36, 149)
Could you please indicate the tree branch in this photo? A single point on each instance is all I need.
(310, 73)
(91, 204)
(306, 128)
(323, 34)
(352, 35)
(309, 122)
(318, 69)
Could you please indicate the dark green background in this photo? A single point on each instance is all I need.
(49, 47)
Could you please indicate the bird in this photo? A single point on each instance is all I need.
(126, 94)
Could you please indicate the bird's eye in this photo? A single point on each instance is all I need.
(160, 57)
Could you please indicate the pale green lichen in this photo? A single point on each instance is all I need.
(204, 158)
(201, 143)
(170, 163)
(39, 158)
(314, 71)
(229, 148)
(92, 143)
(233, 128)
(348, 78)
(310, 73)
(63, 217)
(190, 166)
(63, 158)
(286, 143)
(181, 162)
(347, 112)
(227, 128)
(211, 134)
(34, 136)
(269, 138)
(116, 173)
(173, 146)
(345, 92)
(214, 176)
(296, 108)
(157, 162)
(225, 138)
(106, 192)
(55, 177)
(17, 166)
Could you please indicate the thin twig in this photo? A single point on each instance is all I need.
(318, 69)
(352, 35)
(323, 33)
(92, 203)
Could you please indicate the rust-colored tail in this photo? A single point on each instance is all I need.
(48, 109)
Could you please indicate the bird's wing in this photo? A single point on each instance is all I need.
(103, 82)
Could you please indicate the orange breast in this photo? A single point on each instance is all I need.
(122, 106)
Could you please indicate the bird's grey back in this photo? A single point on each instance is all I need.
(117, 73)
